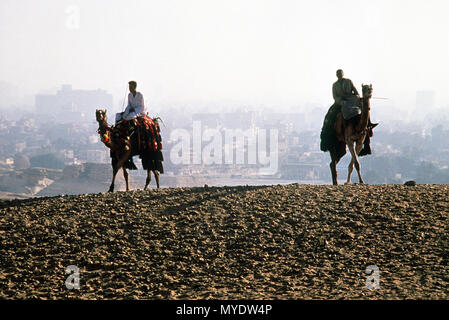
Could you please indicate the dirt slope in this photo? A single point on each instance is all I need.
(279, 242)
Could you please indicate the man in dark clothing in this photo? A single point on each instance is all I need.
(343, 89)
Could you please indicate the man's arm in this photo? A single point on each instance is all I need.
(131, 108)
(338, 100)
(354, 89)
(128, 109)
(140, 109)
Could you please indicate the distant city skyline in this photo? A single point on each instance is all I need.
(424, 100)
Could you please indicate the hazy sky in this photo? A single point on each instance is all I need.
(254, 50)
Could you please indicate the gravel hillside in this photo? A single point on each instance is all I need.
(276, 242)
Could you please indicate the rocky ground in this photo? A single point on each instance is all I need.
(277, 242)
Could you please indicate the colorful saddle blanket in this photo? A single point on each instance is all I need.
(139, 135)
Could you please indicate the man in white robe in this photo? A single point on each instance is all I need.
(136, 106)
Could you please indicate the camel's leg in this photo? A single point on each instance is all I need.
(125, 175)
(114, 172)
(334, 173)
(120, 162)
(354, 160)
(148, 179)
(350, 168)
(336, 154)
(156, 176)
(358, 148)
(333, 166)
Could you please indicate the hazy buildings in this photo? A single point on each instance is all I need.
(69, 104)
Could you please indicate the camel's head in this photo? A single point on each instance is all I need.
(367, 91)
(101, 115)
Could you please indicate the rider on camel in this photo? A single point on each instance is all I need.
(347, 100)
(134, 110)
(139, 132)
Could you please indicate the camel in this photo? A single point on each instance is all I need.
(121, 154)
(348, 133)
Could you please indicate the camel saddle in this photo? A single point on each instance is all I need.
(328, 135)
(351, 108)
(140, 135)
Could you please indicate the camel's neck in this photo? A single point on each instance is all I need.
(363, 124)
(105, 133)
(103, 126)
